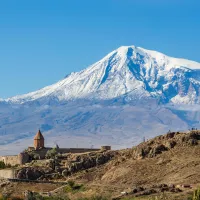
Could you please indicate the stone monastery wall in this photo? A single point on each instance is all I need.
(76, 150)
(12, 160)
(21, 159)
(42, 152)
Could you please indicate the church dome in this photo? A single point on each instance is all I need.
(39, 140)
(39, 136)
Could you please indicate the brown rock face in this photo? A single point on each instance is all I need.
(166, 142)
(86, 161)
(29, 173)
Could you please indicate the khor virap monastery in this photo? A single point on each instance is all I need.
(40, 149)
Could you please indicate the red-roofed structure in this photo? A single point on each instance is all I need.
(39, 140)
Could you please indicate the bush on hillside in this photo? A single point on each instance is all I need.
(71, 183)
(51, 153)
(2, 165)
(196, 195)
(94, 198)
(33, 155)
(73, 187)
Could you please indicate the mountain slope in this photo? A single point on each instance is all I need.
(128, 70)
(129, 94)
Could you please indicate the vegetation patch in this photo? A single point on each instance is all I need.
(196, 195)
(72, 187)
(3, 165)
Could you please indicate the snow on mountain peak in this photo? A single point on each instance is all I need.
(131, 71)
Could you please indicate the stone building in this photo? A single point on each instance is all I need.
(39, 141)
(40, 150)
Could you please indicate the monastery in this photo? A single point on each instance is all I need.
(40, 149)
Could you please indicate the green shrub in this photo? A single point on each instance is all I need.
(55, 198)
(36, 196)
(94, 198)
(33, 155)
(8, 166)
(51, 153)
(196, 195)
(72, 187)
(2, 165)
(71, 183)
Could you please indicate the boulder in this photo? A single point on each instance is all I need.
(65, 173)
(170, 144)
(29, 173)
(137, 189)
(148, 192)
(83, 162)
(170, 135)
(157, 150)
(192, 142)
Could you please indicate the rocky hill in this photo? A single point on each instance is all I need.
(168, 163)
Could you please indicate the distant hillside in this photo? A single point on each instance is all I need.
(172, 159)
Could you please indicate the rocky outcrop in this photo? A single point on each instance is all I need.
(86, 161)
(141, 191)
(30, 173)
(66, 164)
(4, 183)
(163, 143)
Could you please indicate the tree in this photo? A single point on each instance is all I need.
(33, 155)
(51, 153)
(2, 165)
(196, 195)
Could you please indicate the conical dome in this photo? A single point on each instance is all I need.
(39, 136)
(39, 140)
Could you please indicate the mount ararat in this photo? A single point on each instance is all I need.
(129, 94)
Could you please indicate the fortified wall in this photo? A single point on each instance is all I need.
(42, 152)
(10, 160)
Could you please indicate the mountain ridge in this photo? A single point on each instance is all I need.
(128, 69)
(117, 101)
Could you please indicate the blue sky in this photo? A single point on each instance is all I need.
(41, 41)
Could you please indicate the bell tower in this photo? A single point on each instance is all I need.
(39, 140)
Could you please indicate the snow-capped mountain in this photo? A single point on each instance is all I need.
(130, 93)
(131, 71)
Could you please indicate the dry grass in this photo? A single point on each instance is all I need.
(180, 165)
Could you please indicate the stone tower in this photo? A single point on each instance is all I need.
(39, 140)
